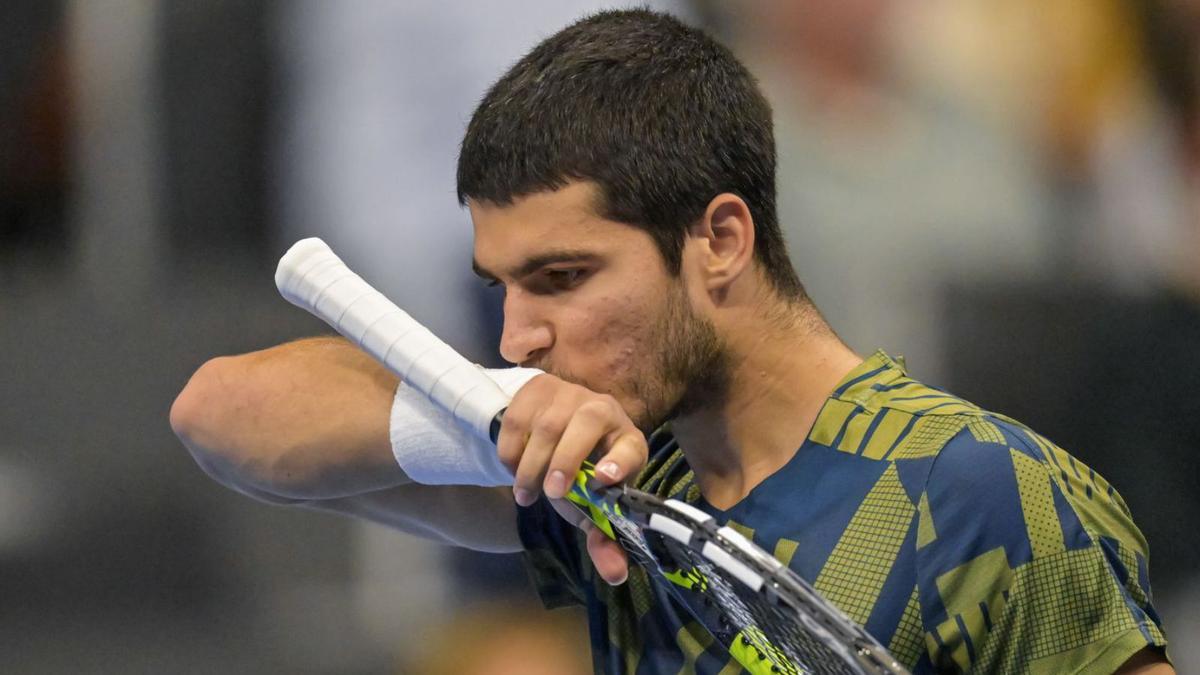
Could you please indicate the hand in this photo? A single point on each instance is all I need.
(550, 427)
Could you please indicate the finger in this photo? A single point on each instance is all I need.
(514, 433)
(625, 457)
(588, 428)
(517, 422)
(609, 558)
(547, 428)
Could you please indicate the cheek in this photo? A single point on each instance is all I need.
(608, 340)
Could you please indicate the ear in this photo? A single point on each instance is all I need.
(723, 242)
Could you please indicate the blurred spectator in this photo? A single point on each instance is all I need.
(929, 143)
(1089, 84)
(888, 184)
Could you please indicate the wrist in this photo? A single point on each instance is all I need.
(433, 448)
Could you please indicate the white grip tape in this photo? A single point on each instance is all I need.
(368, 310)
(311, 276)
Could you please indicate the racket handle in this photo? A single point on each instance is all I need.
(313, 278)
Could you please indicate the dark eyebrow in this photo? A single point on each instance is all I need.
(537, 262)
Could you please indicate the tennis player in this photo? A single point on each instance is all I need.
(621, 181)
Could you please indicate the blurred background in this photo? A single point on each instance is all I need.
(1007, 192)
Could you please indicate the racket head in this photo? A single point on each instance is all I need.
(770, 619)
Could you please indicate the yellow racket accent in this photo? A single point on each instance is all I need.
(751, 649)
(597, 509)
(688, 579)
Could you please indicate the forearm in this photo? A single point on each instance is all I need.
(479, 518)
(300, 421)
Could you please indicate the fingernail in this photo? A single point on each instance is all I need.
(609, 469)
(522, 496)
(556, 484)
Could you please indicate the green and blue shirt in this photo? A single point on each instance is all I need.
(960, 539)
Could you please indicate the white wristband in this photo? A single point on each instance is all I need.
(433, 448)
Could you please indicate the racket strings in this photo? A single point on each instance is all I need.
(764, 638)
(769, 633)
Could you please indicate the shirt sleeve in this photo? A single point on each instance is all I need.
(1028, 561)
(555, 555)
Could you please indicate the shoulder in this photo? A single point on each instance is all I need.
(954, 454)
(983, 450)
(996, 467)
(1008, 523)
(981, 486)
(997, 485)
(887, 415)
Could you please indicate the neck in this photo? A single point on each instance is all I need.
(781, 373)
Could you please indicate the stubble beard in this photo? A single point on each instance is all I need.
(690, 370)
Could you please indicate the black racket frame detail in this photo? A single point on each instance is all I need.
(782, 588)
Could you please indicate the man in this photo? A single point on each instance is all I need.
(620, 178)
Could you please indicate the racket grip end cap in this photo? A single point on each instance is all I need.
(294, 258)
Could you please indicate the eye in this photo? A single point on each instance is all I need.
(563, 279)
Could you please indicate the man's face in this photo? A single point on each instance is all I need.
(591, 301)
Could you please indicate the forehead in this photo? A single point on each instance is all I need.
(547, 222)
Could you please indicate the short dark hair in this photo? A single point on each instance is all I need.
(661, 117)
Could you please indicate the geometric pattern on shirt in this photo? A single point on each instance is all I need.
(856, 570)
(1066, 601)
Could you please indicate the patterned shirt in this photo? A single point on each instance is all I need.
(959, 538)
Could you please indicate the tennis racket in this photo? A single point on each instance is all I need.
(769, 619)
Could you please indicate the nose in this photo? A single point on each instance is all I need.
(526, 335)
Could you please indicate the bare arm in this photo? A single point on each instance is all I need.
(300, 421)
(483, 519)
(306, 424)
